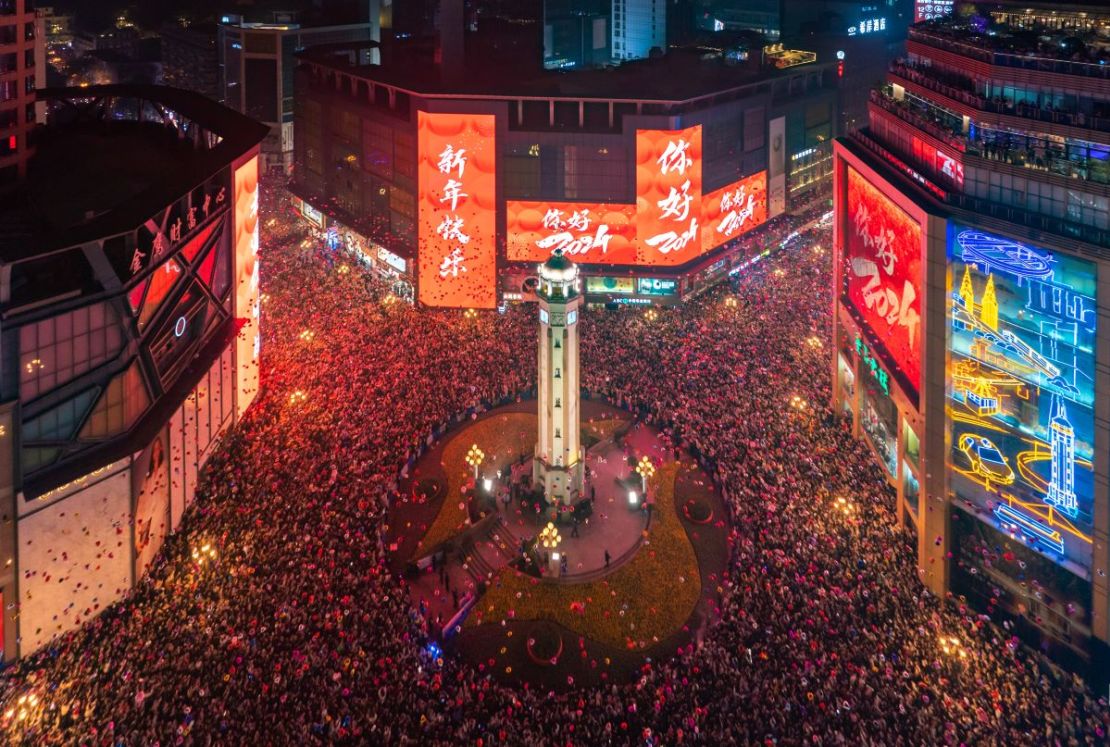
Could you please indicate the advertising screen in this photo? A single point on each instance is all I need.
(883, 273)
(457, 178)
(1021, 393)
(733, 210)
(245, 244)
(668, 195)
(586, 232)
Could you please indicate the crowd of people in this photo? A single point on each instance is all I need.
(292, 631)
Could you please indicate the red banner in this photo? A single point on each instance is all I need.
(883, 272)
(733, 210)
(668, 195)
(457, 207)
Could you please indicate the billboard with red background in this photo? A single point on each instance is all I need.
(457, 210)
(596, 233)
(668, 195)
(882, 248)
(733, 210)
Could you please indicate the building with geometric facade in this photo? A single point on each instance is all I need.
(972, 312)
(129, 325)
(649, 176)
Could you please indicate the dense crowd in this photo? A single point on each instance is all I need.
(294, 632)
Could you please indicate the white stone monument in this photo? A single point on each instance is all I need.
(558, 462)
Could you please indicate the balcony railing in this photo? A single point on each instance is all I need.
(968, 96)
(975, 47)
(920, 121)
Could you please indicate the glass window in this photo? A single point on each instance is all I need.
(55, 350)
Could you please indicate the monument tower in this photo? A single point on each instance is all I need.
(558, 461)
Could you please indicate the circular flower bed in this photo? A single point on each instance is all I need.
(698, 511)
(545, 645)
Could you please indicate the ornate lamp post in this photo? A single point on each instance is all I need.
(645, 469)
(474, 458)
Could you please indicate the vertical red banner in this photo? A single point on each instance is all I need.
(457, 231)
(882, 271)
(668, 195)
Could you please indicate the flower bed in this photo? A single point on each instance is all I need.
(638, 605)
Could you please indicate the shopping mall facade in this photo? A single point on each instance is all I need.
(456, 189)
(972, 322)
(130, 333)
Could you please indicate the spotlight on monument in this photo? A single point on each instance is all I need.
(487, 484)
(633, 499)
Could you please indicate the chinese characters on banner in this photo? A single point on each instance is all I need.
(883, 272)
(668, 194)
(733, 210)
(586, 232)
(457, 211)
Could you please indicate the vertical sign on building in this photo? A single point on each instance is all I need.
(668, 194)
(457, 210)
(245, 237)
(776, 167)
(883, 273)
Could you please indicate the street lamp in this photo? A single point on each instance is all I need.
(645, 469)
(474, 458)
(952, 646)
(550, 537)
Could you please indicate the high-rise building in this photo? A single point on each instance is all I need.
(973, 246)
(190, 59)
(639, 26)
(129, 296)
(256, 73)
(576, 33)
(22, 70)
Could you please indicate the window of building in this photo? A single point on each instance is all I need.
(55, 350)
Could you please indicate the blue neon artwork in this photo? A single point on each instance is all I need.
(1021, 338)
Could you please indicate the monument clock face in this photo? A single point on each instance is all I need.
(557, 317)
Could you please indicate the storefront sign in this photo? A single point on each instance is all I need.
(391, 259)
(657, 286)
(870, 362)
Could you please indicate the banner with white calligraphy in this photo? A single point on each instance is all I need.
(882, 248)
(595, 233)
(457, 210)
(733, 210)
(668, 195)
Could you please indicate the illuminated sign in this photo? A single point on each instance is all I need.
(1021, 397)
(657, 286)
(248, 344)
(610, 285)
(391, 259)
(872, 364)
(596, 233)
(939, 161)
(457, 211)
(868, 26)
(926, 10)
(883, 272)
(668, 194)
(733, 210)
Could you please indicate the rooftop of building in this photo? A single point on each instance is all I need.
(682, 74)
(1002, 33)
(98, 170)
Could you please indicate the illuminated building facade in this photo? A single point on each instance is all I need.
(130, 340)
(972, 235)
(650, 177)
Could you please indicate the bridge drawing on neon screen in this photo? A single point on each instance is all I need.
(1021, 390)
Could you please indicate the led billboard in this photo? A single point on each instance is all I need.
(586, 232)
(733, 210)
(1021, 390)
(668, 195)
(882, 270)
(457, 231)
